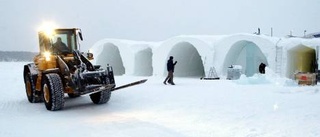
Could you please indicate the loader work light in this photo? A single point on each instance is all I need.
(47, 55)
(48, 28)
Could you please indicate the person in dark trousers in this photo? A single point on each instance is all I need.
(262, 68)
(170, 68)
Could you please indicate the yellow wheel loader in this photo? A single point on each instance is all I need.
(60, 68)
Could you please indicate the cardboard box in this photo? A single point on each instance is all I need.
(306, 78)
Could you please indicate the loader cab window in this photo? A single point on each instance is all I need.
(64, 41)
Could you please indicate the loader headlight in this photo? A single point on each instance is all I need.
(47, 55)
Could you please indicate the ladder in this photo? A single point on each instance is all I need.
(212, 74)
(279, 60)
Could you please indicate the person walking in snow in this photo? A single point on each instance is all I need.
(170, 68)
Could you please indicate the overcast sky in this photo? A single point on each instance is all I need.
(153, 20)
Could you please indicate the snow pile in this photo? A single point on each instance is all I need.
(255, 79)
(269, 78)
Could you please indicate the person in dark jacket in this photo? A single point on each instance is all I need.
(60, 47)
(262, 68)
(170, 68)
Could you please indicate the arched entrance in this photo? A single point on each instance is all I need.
(111, 55)
(246, 54)
(301, 59)
(143, 63)
(189, 61)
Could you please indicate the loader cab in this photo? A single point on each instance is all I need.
(55, 40)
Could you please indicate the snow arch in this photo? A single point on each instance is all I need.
(143, 62)
(246, 54)
(111, 56)
(126, 57)
(192, 53)
(247, 50)
(190, 63)
(301, 59)
(299, 55)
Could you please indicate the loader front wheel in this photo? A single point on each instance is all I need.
(101, 97)
(53, 93)
(31, 90)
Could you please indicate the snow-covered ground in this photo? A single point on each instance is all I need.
(260, 106)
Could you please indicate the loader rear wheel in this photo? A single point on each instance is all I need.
(101, 97)
(31, 90)
(53, 93)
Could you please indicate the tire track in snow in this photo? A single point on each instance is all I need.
(19, 106)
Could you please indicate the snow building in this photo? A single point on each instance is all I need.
(125, 56)
(298, 55)
(197, 55)
(313, 35)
